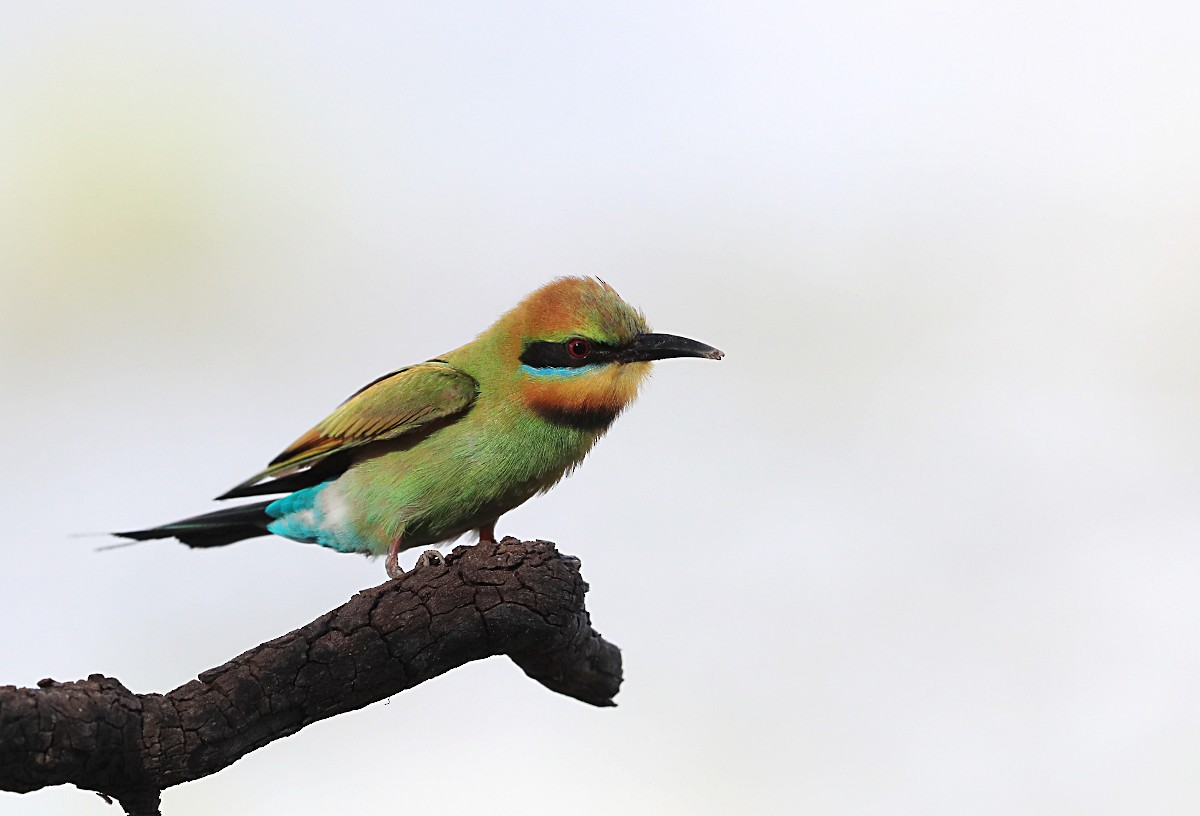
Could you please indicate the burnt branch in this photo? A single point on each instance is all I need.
(522, 599)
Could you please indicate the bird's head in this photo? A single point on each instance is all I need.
(580, 352)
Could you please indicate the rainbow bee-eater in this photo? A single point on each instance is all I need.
(437, 449)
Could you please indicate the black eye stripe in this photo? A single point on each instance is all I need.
(543, 354)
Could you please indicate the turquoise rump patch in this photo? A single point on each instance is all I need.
(300, 517)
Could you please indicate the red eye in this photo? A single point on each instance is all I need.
(578, 348)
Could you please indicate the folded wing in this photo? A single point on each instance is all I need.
(395, 405)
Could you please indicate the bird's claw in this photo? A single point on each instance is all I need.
(393, 568)
(429, 558)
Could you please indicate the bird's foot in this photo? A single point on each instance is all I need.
(429, 558)
(393, 569)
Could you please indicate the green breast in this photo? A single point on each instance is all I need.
(462, 475)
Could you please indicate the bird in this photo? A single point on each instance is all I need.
(436, 450)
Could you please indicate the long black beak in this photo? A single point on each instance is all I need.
(661, 346)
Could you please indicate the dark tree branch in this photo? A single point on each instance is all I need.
(522, 599)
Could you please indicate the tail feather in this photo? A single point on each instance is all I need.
(214, 529)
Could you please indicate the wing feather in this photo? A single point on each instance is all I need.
(390, 407)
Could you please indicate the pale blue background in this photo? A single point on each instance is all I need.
(925, 542)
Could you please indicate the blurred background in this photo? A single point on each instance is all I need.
(925, 542)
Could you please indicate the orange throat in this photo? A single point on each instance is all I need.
(588, 399)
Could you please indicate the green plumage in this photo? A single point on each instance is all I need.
(434, 450)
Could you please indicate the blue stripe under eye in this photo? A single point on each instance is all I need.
(557, 372)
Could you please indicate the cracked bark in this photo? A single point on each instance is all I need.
(522, 599)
